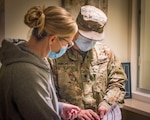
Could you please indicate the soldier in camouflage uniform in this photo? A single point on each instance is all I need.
(89, 74)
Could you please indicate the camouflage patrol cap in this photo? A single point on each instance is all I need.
(91, 22)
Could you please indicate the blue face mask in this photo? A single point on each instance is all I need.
(84, 44)
(55, 55)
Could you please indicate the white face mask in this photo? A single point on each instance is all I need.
(84, 43)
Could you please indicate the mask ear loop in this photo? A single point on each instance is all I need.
(59, 43)
(66, 46)
(49, 47)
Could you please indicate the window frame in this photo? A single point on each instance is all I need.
(137, 93)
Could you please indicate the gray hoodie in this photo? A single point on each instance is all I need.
(26, 90)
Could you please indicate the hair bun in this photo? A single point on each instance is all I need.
(35, 18)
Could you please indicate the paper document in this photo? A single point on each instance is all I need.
(114, 113)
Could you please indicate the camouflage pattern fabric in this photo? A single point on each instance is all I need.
(89, 81)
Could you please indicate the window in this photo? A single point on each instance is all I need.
(144, 46)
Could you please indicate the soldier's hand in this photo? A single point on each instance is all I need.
(102, 111)
(87, 115)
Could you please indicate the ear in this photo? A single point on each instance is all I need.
(52, 39)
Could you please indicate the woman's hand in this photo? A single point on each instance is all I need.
(87, 115)
(69, 111)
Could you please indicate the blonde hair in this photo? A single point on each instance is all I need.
(52, 20)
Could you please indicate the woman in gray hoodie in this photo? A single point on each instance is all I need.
(26, 85)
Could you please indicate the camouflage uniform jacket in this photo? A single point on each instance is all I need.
(88, 82)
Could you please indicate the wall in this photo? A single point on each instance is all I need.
(14, 16)
(116, 36)
(2, 20)
(117, 33)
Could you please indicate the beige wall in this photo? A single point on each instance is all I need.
(117, 32)
(2, 20)
(116, 35)
(14, 16)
